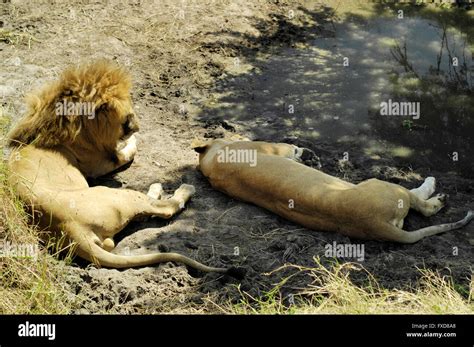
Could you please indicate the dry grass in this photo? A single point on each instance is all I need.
(181, 50)
(173, 37)
(34, 284)
(13, 37)
(333, 292)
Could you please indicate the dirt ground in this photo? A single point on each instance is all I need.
(183, 57)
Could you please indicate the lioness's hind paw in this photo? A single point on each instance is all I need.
(438, 201)
(442, 198)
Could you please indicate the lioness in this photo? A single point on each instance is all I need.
(77, 127)
(268, 175)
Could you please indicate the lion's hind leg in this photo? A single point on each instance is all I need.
(427, 207)
(426, 189)
(420, 198)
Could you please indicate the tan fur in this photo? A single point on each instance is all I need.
(372, 209)
(52, 154)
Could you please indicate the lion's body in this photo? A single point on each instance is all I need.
(50, 182)
(372, 209)
(53, 154)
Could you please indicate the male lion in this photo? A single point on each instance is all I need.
(82, 126)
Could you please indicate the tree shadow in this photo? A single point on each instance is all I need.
(309, 93)
(305, 95)
(302, 93)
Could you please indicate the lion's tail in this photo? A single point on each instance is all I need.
(402, 236)
(99, 256)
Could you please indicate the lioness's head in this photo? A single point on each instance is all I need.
(88, 112)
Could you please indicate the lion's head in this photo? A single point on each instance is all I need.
(88, 111)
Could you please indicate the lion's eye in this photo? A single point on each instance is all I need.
(126, 127)
(130, 125)
(102, 108)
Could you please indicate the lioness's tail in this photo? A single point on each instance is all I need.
(402, 236)
(98, 255)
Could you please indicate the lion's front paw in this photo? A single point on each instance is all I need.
(127, 153)
(186, 189)
(155, 191)
(184, 193)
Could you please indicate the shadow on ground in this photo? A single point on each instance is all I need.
(308, 93)
(290, 84)
(303, 94)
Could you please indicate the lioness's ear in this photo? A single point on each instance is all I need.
(200, 146)
(237, 137)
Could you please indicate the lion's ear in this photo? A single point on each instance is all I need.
(200, 146)
(104, 107)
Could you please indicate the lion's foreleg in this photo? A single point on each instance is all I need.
(165, 208)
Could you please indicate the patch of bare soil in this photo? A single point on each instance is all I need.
(181, 57)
